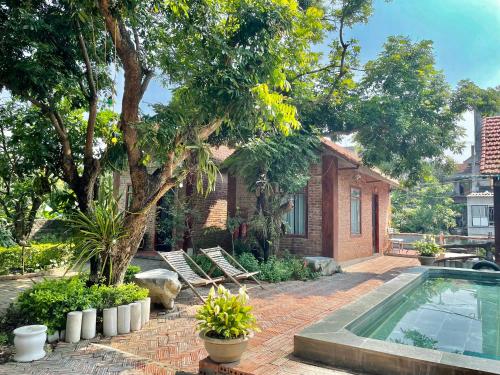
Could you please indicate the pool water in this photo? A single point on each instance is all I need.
(453, 315)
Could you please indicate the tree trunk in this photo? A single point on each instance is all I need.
(125, 249)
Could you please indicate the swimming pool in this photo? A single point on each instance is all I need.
(425, 321)
(453, 315)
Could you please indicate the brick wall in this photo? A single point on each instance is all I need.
(209, 224)
(352, 246)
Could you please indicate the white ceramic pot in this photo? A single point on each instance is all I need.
(123, 319)
(73, 326)
(145, 310)
(89, 318)
(110, 322)
(225, 350)
(29, 341)
(135, 316)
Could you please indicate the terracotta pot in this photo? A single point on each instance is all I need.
(426, 261)
(29, 341)
(225, 350)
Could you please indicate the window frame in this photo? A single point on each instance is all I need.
(306, 215)
(487, 210)
(360, 233)
(491, 216)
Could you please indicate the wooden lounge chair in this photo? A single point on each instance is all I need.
(220, 258)
(178, 262)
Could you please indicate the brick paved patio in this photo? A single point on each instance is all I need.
(170, 345)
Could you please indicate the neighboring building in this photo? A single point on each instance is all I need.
(480, 214)
(343, 212)
(490, 166)
(467, 179)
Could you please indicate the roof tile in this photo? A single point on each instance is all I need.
(490, 158)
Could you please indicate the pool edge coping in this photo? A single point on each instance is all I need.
(331, 337)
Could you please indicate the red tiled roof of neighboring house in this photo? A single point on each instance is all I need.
(351, 157)
(221, 153)
(490, 158)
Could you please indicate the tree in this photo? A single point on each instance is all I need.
(424, 208)
(273, 167)
(46, 61)
(28, 160)
(225, 58)
(469, 96)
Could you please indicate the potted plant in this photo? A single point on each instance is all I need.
(226, 324)
(427, 250)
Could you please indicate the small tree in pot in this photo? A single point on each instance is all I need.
(226, 324)
(427, 250)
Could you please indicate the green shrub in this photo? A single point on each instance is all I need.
(49, 301)
(427, 247)
(206, 265)
(104, 296)
(130, 273)
(40, 256)
(225, 315)
(248, 261)
(5, 234)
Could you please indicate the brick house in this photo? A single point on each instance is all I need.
(343, 212)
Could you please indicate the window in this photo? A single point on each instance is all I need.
(128, 197)
(480, 216)
(295, 219)
(491, 216)
(355, 211)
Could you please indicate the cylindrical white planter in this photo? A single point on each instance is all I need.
(29, 341)
(145, 309)
(135, 316)
(123, 319)
(73, 326)
(53, 337)
(88, 323)
(109, 322)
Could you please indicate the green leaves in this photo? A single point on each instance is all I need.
(424, 208)
(405, 116)
(225, 315)
(97, 231)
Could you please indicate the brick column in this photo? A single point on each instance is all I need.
(329, 198)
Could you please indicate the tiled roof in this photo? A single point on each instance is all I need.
(481, 194)
(351, 157)
(221, 153)
(341, 151)
(490, 159)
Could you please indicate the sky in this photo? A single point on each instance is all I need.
(466, 36)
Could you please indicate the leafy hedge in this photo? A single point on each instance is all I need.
(39, 256)
(49, 301)
(273, 270)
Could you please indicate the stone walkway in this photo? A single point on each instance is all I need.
(170, 345)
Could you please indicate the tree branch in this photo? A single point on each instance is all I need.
(89, 138)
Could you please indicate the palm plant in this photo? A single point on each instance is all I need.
(97, 231)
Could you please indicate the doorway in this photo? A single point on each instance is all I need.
(375, 224)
